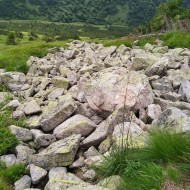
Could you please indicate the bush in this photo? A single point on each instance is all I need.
(48, 39)
(7, 141)
(12, 173)
(11, 39)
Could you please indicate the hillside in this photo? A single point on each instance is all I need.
(125, 12)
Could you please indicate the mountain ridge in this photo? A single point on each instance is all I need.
(125, 12)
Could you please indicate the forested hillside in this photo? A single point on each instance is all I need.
(125, 12)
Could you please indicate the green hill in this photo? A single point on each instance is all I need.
(124, 12)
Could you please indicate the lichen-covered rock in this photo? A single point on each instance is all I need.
(115, 87)
(77, 124)
(60, 153)
(37, 173)
(129, 133)
(173, 119)
(41, 139)
(9, 159)
(23, 154)
(57, 113)
(23, 183)
(114, 182)
(32, 108)
(60, 82)
(21, 133)
(185, 90)
(70, 182)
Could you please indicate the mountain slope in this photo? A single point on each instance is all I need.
(125, 12)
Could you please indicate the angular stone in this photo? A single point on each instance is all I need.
(91, 152)
(60, 153)
(143, 61)
(12, 105)
(78, 163)
(153, 111)
(23, 154)
(37, 174)
(58, 171)
(23, 183)
(173, 119)
(184, 90)
(163, 84)
(106, 128)
(77, 124)
(32, 108)
(55, 94)
(60, 82)
(113, 182)
(173, 96)
(130, 134)
(41, 139)
(9, 159)
(21, 133)
(58, 113)
(161, 50)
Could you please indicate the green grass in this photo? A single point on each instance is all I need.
(13, 173)
(177, 39)
(166, 156)
(14, 57)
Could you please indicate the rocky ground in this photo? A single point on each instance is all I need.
(80, 101)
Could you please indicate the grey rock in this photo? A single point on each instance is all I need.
(153, 111)
(163, 84)
(77, 124)
(21, 133)
(58, 171)
(55, 94)
(41, 139)
(173, 119)
(9, 159)
(32, 108)
(58, 154)
(23, 154)
(184, 90)
(91, 152)
(78, 163)
(58, 113)
(37, 174)
(12, 105)
(23, 183)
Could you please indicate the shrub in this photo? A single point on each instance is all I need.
(11, 39)
(7, 141)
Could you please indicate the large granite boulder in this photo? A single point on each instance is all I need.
(60, 153)
(116, 87)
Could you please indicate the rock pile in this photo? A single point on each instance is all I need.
(80, 101)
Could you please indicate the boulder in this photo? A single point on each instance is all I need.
(21, 133)
(32, 108)
(9, 160)
(60, 153)
(77, 124)
(161, 50)
(184, 90)
(173, 119)
(41, 139)
(57, 113)
(23, 154)
(23, 183)
(58, 171)
(60, 82)
(116, 87)
(37, 174)
(129, 134)
(153, 111)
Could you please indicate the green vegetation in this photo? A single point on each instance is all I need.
(166, 157)
(177, 39)
(125, 12)
(7, 140)
(9, 175)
